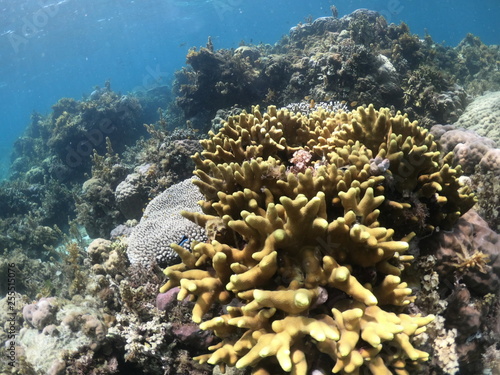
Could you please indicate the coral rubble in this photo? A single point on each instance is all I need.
(315, 214)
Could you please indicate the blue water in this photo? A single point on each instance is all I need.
(51, 49)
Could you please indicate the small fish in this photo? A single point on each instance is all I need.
(312, 103)
(183, 240)
(354, 104)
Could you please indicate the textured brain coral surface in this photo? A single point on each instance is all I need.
(309, 220)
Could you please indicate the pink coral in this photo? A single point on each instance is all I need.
(469, 253)
(40, 314)
(491, 161)
(300, 161)
(164, 300)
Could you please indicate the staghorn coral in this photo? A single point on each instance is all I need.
(306, 259)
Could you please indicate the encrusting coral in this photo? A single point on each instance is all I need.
(312, 217)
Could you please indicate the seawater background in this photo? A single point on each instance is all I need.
(51, 49)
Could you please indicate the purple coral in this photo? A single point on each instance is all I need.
(300, 161)
(164, 300)
(40, 314)
(379, 166)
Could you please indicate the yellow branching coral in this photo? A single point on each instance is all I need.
(309, 221)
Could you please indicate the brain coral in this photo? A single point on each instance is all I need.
(314, 215)
(483, 116)
(162, 225)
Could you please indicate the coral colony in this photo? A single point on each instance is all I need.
(307, 261)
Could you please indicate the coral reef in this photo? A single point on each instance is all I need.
(49, 163)
(87, 124)
(468, 147)
(358, 58)
(153, 341)
(480, 160)
(107, 259)
(491, 360)
(96, 208)
(60, 327)
(148, 340)
(323, 239)
(165, 155)
(490, 162)
(31, 215)
(469, 253)
(307, 108)
(162, 225)
(152, 100)
(43, 274)
(62, 144)
(478, 64)
(314, 218)
(130, 196)
(466, 264)
(445, 349)
(117, 191)
(40, 314)
(109, 326)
